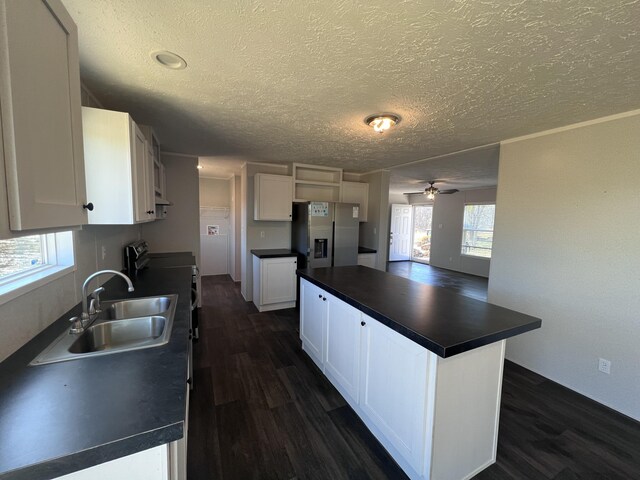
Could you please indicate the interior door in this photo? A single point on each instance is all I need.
(400, 234)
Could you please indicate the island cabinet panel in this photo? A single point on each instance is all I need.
(40, 122)
(313, 317)
(393, 388)
(274, 283)
(437, 417)
(342, 359)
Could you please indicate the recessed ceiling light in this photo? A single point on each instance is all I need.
(382, 122)
(199, 167)
(169, 60)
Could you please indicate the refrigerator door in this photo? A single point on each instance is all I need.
(346, 232)
(320, 234)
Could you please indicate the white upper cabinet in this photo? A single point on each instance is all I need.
(354, 192)
(119, 175)
(41, 118)
(273, 197)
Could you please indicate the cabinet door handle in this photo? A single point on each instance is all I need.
(324, 299)
(363, 323)
(320, 296)
(88, 206)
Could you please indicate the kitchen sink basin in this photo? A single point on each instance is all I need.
(122, 326)
(135, 307)
(119, 334)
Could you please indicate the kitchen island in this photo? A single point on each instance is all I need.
(129, 407)
(421, 365)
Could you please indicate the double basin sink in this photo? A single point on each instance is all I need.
(121, 326)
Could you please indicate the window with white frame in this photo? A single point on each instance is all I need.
(477, 229)
(31, 261)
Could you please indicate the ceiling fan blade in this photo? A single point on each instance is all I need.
(414, 193)
(448, 192)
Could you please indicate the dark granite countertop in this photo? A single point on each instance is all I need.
(436, 318)
(274, 253)
(366, 250)
(62, 417)
(171, 259)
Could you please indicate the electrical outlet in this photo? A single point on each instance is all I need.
(604, 365)
(375, 231)
(261, 233)
(104, 252)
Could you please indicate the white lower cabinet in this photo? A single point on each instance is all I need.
(274, 282)
(313, 316)
(152, 464)
(437, 417)
(367, 259)
(393, 388)
(342, 352)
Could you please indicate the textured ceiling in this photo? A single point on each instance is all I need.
(285, 81)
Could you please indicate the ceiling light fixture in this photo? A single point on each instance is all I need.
(169, 60)
(431, 191)
(381, 122)
(199, 167)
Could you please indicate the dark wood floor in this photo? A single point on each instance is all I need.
(261, 409)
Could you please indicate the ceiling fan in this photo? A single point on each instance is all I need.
(432, 191)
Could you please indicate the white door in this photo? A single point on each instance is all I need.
(342, 359)
(400, 235)
(393, 388)
(421, 250)
(313, 315)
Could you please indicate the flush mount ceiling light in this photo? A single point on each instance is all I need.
(381, 122)
(169, 60)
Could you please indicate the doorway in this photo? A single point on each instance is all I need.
(400, 232)
(422, 221)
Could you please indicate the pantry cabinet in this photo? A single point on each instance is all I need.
(118, 168)
(41, 124)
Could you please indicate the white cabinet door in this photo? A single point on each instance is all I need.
(354, 192)
(273, 197)
(342, 351)
(278, 280)
(393, 389)
(313, 316)
(40, 115)
(118, 174)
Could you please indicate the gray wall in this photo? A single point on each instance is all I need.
(566, 250)
(236, 202)
(276, 234)
(446, 238)
(23, 318)
(215, 192)
(375, 232)
(180, 230)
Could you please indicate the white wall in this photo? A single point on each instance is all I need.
(566, 250)
(23, 318)
(214, 192)
(179, 232)
(446, 237)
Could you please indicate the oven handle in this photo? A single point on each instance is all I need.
(196, 297)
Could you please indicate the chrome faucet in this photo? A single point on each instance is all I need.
(78, 325)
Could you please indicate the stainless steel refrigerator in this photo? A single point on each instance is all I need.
(325, 233)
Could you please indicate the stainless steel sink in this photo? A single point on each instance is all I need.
(119, 334)
(136, 307)
(122, 326)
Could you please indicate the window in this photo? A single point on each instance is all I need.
(29, 262)
(477, 230)
(422, 215)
